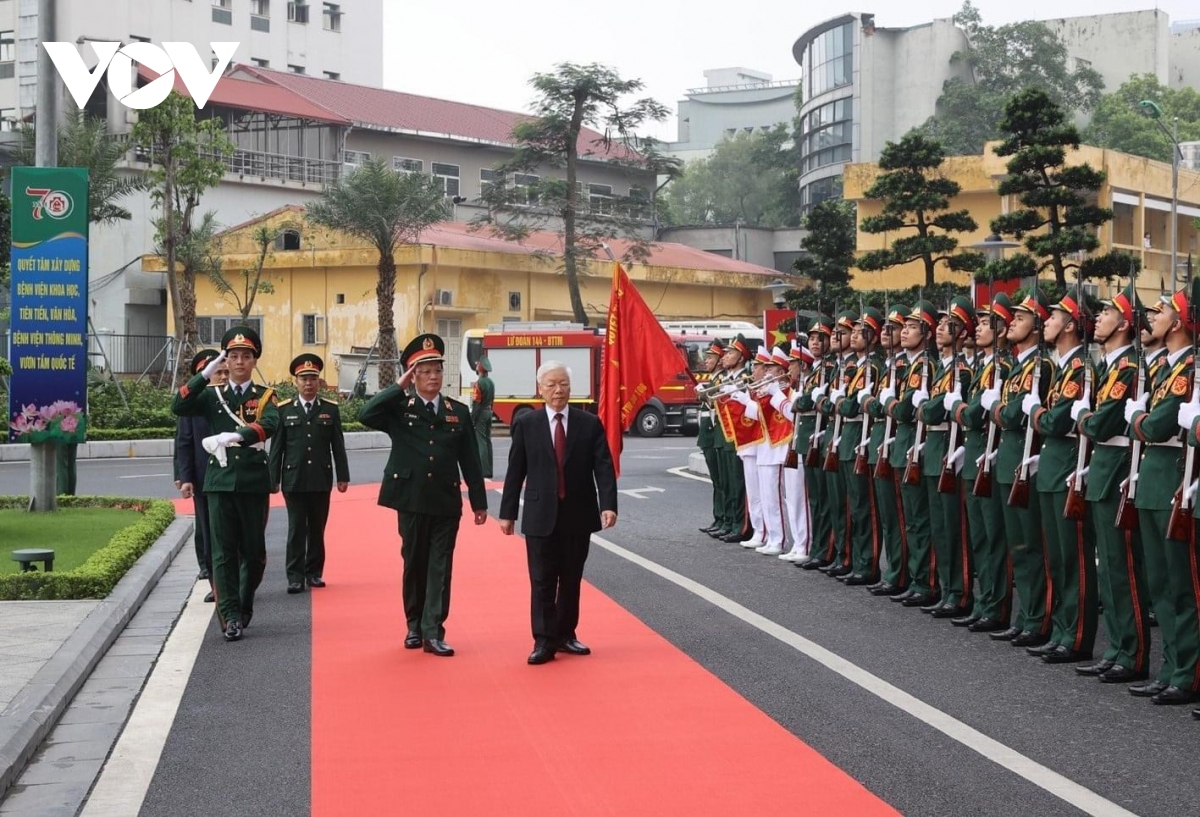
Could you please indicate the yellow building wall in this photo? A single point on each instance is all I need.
(309, 281)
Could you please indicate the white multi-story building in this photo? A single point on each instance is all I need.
(735, 100)
(864, 85)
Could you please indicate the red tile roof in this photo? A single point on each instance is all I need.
(251, 95)
(394, 110)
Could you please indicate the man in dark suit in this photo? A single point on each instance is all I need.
(307, 450)
(432, 441)
(191, 463)
(561, 456)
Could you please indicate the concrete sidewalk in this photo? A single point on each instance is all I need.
(49, 648)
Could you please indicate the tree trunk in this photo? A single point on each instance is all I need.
(929, 269)
(570, 258)
(385, 296)
(185, 329)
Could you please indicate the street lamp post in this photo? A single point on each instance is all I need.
(1154, 112)
(993, 247)
(777, 288)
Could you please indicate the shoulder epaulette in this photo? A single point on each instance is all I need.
(330, 402)
(1076, 363)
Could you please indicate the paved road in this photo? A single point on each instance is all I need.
(240, 740)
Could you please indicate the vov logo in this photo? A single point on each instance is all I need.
(118, 61)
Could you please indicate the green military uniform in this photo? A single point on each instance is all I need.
(1121, 577)
(1170, 569)
(307, 452)
(885, 487)
(237, 489)
(836, 489)
(865, 535)
(732, 475)
(706, 440)
(1070, 543)
(1031, 625)
(483, 396)
(805, 409)
(422, 482)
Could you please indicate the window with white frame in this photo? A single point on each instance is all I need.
(449, 327)
(8, 46)
(8, 119)
(260, 8)
(312, 328)
(600, 198)
(223, 4)
(211, 328)
(402, 165)
(261, 63)
(332, 17)
(524, 184)
(297, 12)
(355, 157)
(487, 178)
(448, 174)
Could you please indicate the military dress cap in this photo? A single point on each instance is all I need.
(797, 350)
(822, 324)
(872, 318)
(483, 363)
(924, 312)
(1036, 303)
(846, 319)
(763, 355)
(717, 347)
(242, 337)
(738, 345)
(1002, 307)
(1180, 304)
(897, 314)
(963, 311)
(307, 363)
(1126, 302)
(779, 356)
(202, 359)
(427, 348)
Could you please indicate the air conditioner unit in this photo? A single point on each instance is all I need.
(443, 297)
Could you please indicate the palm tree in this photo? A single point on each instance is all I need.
(385, 209)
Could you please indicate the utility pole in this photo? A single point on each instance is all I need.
(43, 457)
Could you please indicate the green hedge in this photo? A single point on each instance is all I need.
(96, 577)
(165, 433)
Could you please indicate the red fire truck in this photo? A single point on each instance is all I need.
(517, 349)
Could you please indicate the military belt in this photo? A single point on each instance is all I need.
(1116, 442)
(938, 427)
(1175, 443)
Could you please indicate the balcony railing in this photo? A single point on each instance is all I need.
(254, 163)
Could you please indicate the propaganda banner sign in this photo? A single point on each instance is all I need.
(47, 397)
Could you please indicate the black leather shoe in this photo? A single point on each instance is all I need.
(1196, 714)
(875, 585)
(541, 655)
(1044, 649)
(919, 600)
(412, 641)
(1099, 668)
(888, 589)
(1122, 675)
(203, 575)
(1029, 639)
(575, 647)
(719, 533)
(905, 596)
(438, 647)
(1172, 696)
(965, 621)
(711, 528)
(233, 631)
(1006, 635)
(1148, 689)
(950, 611)
(295, 587)
(988, 625)
(316, 581)
(812, 563)
(1066, 655)
(732, 538)
(246, 619)
(209, 597)
(856, 580)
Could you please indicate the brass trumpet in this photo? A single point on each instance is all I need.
(710, 392)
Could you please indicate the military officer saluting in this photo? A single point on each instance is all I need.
(242, 416)
(306, 452)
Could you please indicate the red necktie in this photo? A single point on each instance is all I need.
(560, 454)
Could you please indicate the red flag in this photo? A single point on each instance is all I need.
(639, 358)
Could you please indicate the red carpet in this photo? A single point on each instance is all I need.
(637, 728)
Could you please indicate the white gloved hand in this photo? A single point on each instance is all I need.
(1030, 403)
(742, 397)
(951, 400)
(773, 388)
(1079, 407)
(728, 388)
(887, 395)
(864, 396)
(1133, 407)
(955, 460)
(213, 446)
(837, 394)
(208, 371)
(989, 399)
(228, 438)
(818, 393)
(992, 456)
(1032, 464)
(1191, 491)
(919, 397)
(1188, 412)
(1082, 477)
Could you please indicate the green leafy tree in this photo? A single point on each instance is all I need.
(1058, 219)
(186, 157)
(750, 178)
(571, 98)
(245, 286)
(1119, 124)
(1001, 60)
(387, 210)
(829, 254)
(916, 202)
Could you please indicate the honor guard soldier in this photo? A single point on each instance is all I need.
(242, 417)
(843, 362)
(794, 489)
(1122, 577)
(733, 478)
(894, 578)
(1170, 571)
(706, 436)
(985, 503)
(308, 451)
(191, 464)
(821, 547)
(1015, 461)
(1070, 541)
(483, 395)
(433, 452)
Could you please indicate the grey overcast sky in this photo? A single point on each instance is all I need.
(485, 51)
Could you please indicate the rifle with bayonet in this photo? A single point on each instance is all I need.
(983, 477)
(1076, 504)
(948, 478)
(831, 453)
(812, 458)
(1127, 515)
(883, 465)
(861, 466)
(1179, 527)
(912, 468)
(1018, 497)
